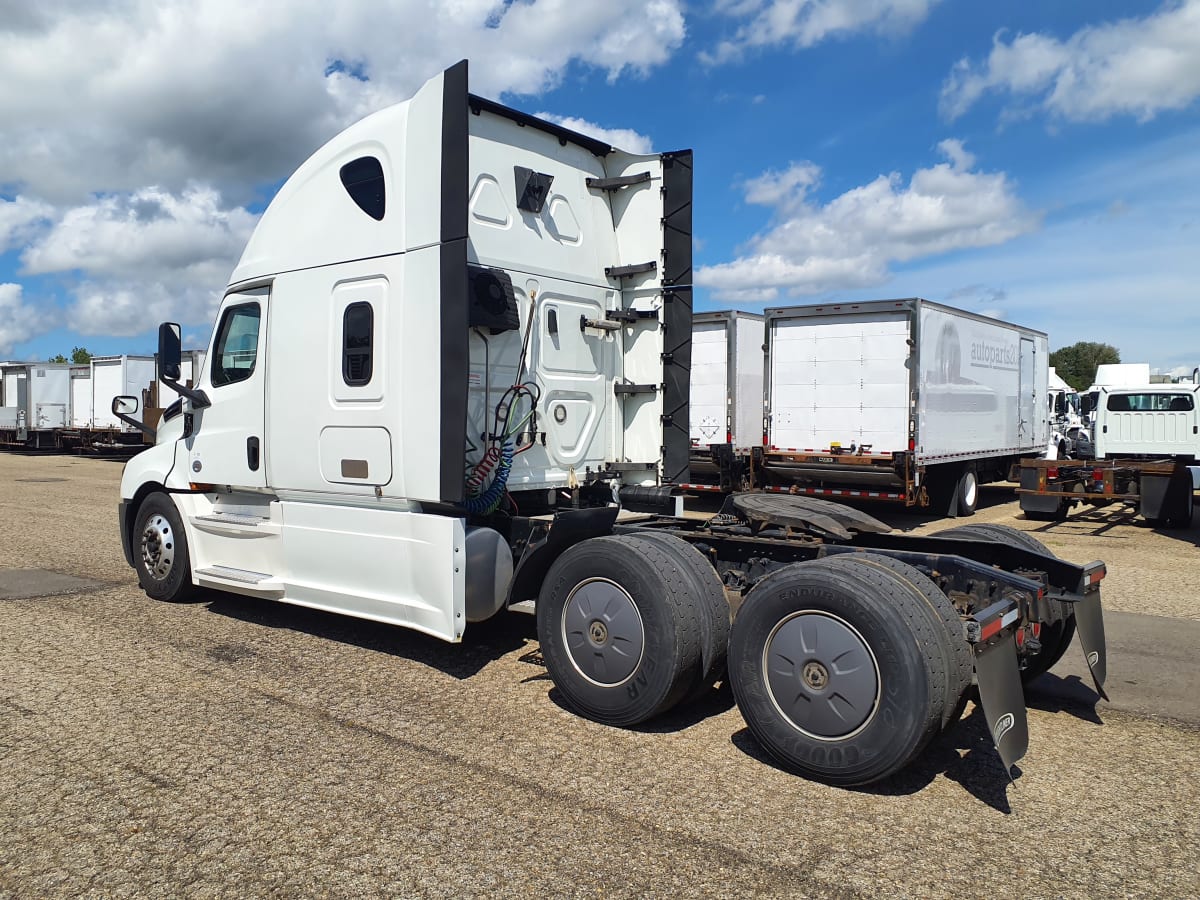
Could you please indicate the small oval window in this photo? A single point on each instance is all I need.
(363, 180)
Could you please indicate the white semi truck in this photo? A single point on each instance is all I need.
(450, 364)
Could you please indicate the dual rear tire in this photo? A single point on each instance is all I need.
(631, 625)
(845, 668)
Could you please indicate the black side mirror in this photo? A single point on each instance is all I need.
(170, 350)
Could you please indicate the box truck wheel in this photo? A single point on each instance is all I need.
(958, 663)
(712, 607)
(968, 490)
(160, 551)
(1055, 636)
(619, 628)
(838, 670)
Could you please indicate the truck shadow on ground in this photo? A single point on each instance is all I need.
(1092, 521)
(482, 643)
(964, 753)
(1071, 695)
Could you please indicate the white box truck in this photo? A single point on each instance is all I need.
(451, 364)
(726, 403)
(903, 400)
(115, 376)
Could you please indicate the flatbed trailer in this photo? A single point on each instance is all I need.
(1160, 490)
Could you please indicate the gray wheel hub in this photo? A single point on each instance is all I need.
(602, 632)
(821, 675)
(158, 547)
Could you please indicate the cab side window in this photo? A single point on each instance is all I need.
(236, 349)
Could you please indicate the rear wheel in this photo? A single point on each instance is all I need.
(1055, 637)
(711, 606)
(827, 665)
(160, 551)
(968, 491)
(1183, 505)
(958, 662)
(619, 629)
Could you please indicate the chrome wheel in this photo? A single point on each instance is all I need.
(158, 547)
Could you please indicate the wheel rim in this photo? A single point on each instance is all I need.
(821, 675)
(970, 490)
(602, 632)
(158, 547)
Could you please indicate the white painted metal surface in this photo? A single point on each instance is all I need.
(727, 379)
(873, 373)
(81, 396)
(840, 379)
(42, 390)
(115, 376)
(1148, 420)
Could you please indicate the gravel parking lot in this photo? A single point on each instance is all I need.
(236, 747)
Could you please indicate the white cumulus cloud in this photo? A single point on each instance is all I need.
(622, 138)
(20, 319)
(114, 95)
(805, 23)
(142, 257)
(1136, 67)
(851, 241)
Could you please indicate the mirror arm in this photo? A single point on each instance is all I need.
(140, 426)
(199, 398)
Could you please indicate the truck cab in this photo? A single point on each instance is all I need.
(451, 309)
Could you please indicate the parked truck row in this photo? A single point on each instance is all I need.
(451, 377)
(903, 400)
(65, 406)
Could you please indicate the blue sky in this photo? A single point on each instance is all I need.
(1035, 161)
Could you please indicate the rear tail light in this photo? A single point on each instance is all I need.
(1036, 628)
(1052, 471)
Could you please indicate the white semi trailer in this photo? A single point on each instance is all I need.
(902, 400)
(37, 404)
(455, 347)
(726, 401)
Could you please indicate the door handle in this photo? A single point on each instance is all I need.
(252, 453)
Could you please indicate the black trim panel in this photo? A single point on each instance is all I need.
(677, 315)
(454, 286)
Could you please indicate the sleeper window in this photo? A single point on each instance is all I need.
(358, 327)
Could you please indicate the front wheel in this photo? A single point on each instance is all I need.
(160, 551)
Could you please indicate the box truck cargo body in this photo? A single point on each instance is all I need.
(116, 376)
(726, 396)
(37, 398)
(903, 399)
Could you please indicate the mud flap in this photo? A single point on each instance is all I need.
(1003, 699)
(1089, 625)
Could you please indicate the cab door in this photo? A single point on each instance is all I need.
(226, 443)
